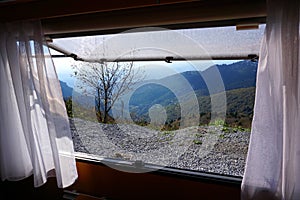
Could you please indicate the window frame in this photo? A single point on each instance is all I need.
(186, 174)
(207, 177)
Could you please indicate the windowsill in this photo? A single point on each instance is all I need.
(129, 166)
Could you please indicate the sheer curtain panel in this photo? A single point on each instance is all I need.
(35, 137)
(273, 162)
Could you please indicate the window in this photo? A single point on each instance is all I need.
(181, 99)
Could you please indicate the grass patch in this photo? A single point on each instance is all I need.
(227, 129)
(198, 142)
(222, 136)
(198, 135)
(217, 122)
(166, 136)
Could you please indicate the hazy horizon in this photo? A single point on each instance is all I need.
(152, 70)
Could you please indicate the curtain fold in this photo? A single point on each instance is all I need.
(35, 138)
(273, 164)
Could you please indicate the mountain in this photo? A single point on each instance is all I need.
(166, 91)
(66, 90)
(238, 75)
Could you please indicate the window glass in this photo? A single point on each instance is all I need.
(133, 104)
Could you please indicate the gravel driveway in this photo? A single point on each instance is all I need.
(204, 148)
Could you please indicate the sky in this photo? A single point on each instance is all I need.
(185, 43)
(152, 70)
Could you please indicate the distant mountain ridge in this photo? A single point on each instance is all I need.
(234, 76)
(67, 91)
(238, 75)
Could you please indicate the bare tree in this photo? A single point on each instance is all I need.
(107, 82)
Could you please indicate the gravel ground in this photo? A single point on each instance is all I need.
(204, 148)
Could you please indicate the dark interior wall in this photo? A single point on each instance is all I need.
(42, 9)
(65, 17)
(24, 189)
(102, 181)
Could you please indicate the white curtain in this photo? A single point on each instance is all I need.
(35, 137)
(273, 162)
